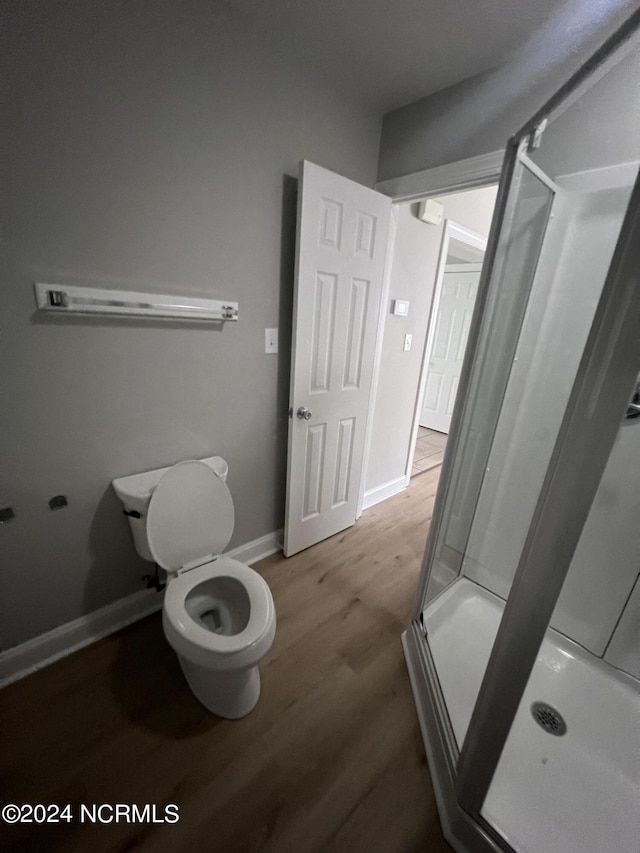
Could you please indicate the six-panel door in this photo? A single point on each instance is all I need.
(341, 250)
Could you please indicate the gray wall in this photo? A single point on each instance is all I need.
(413, 273)
(601, 128)
(478, 115)
(151, 147)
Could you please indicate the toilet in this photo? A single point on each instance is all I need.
(218, 613)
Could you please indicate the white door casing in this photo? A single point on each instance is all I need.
(340, 258)
(446, 350)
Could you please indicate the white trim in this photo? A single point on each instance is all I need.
(39, 652)
(377, 357)
(463, 268)
(34, 654)
(452, 177)
(386, 490)
(257, 549)
(471, 238)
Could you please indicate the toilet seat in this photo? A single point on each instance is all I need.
(190, 517)
(196, 643)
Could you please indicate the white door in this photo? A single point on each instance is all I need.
(447, 346)
(341, 249)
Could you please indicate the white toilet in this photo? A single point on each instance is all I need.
(218, 614)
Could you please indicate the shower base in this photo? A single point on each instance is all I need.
(578, 792)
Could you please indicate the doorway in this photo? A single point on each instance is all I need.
(456, 287)
(453, 303)
(451, 253)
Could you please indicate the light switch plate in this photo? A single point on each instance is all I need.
(407, 342)
(271, 340)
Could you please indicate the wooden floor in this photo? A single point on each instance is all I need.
(330, 760)
(429, 450)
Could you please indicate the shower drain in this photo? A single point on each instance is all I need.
(548, 718)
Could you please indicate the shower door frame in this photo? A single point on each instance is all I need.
(608, 369)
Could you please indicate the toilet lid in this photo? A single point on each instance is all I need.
(190, 516)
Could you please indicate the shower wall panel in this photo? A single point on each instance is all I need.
(624, 650)
(581, 237)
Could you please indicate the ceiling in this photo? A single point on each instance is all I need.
(392, 52)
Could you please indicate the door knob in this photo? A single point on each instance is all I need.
(303, 413)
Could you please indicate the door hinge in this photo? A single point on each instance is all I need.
(536, 137)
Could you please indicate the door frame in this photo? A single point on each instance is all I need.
(469, 238)
(461, 175)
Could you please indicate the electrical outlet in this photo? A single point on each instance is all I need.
(271, 340)
(407, 342)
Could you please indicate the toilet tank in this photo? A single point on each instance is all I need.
(135, 493)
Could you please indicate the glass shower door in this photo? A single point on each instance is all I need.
(460, 656)
(551, 365)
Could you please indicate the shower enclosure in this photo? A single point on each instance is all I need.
(524, 650)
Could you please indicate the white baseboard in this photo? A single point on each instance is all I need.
(26, 658)
(257, 549)
(386, 490)
(39, 652)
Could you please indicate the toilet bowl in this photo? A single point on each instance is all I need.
(218, 614)
(220, 620)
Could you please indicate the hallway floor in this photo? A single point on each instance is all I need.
(330, 760)
(430, 446)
